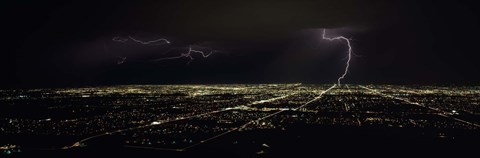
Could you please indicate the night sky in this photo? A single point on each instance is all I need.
(69, 43)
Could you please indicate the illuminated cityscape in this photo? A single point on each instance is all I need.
(181, 118)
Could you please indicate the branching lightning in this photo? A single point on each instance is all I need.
(160, 42)
(349, 52)
(154, 42)
(186, 55)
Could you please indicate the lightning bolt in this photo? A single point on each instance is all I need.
(187, 55)
(160, 42)
(349, 53)
(154, 42)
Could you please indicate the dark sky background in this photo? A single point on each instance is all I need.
(69, 43)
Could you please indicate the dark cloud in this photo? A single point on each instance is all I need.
(63, 43)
